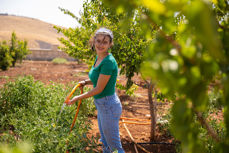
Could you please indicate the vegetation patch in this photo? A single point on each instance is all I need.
(59, 61)
(29, 109)
(11, 52)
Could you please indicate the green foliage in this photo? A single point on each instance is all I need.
(5, 58)
(12, 52)
(59, 60)
(13, 47)
(129, 91)
(212, 114)
(215, 99)
(189, 48)
(18, 49)
(19, 148)
(29, 109)
(185, 45)
(22, 51)
(129, 44)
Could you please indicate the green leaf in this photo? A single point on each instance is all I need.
(154, 6)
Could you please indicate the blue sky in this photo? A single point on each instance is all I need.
(45, 10)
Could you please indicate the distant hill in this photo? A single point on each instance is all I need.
(39, 34)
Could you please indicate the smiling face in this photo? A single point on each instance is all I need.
(102, 43)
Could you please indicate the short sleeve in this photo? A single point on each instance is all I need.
(107, 67)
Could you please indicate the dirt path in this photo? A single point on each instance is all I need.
(133, 107)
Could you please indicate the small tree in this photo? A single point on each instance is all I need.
(22, 50)
(5, 58)
(13, 47)
(12, 52)
(129, 43)
(18, 49)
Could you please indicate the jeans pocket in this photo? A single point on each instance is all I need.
(100, 102)
(116, 110)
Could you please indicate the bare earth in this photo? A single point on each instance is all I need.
(133, 107)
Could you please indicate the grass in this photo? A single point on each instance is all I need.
(4, 77)
(59, 61)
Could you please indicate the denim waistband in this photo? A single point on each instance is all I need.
(108, 97)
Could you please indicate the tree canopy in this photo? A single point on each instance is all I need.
(189, 52)
(179, 44)
(129, 43)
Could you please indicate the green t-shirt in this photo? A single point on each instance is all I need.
(108, 66)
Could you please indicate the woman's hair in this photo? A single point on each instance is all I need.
(104, 31)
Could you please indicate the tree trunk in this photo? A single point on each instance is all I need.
(13, 62)
(153, 110)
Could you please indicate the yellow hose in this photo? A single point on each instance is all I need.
(73, 90)
(77, 111)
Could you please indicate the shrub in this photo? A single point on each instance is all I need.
(11, 53)
(28, 110)
(5, 58)
(129, 91)
(19, 148)
(18, 49)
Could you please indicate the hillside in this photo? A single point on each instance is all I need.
(39, 34)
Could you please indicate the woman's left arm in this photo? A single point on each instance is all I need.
(101, 84)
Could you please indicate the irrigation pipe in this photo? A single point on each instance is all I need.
(148, 123)
(162, 143)
(132, 121)
(133, 138)
(130, 136)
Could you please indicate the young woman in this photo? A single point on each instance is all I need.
(103, 75)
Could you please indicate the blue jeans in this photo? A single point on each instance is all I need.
(109, 111)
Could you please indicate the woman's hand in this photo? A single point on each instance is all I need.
(82, 84)
(73, 100)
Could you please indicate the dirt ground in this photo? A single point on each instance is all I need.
(133, 107)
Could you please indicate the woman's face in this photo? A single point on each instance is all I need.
(102, 43)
